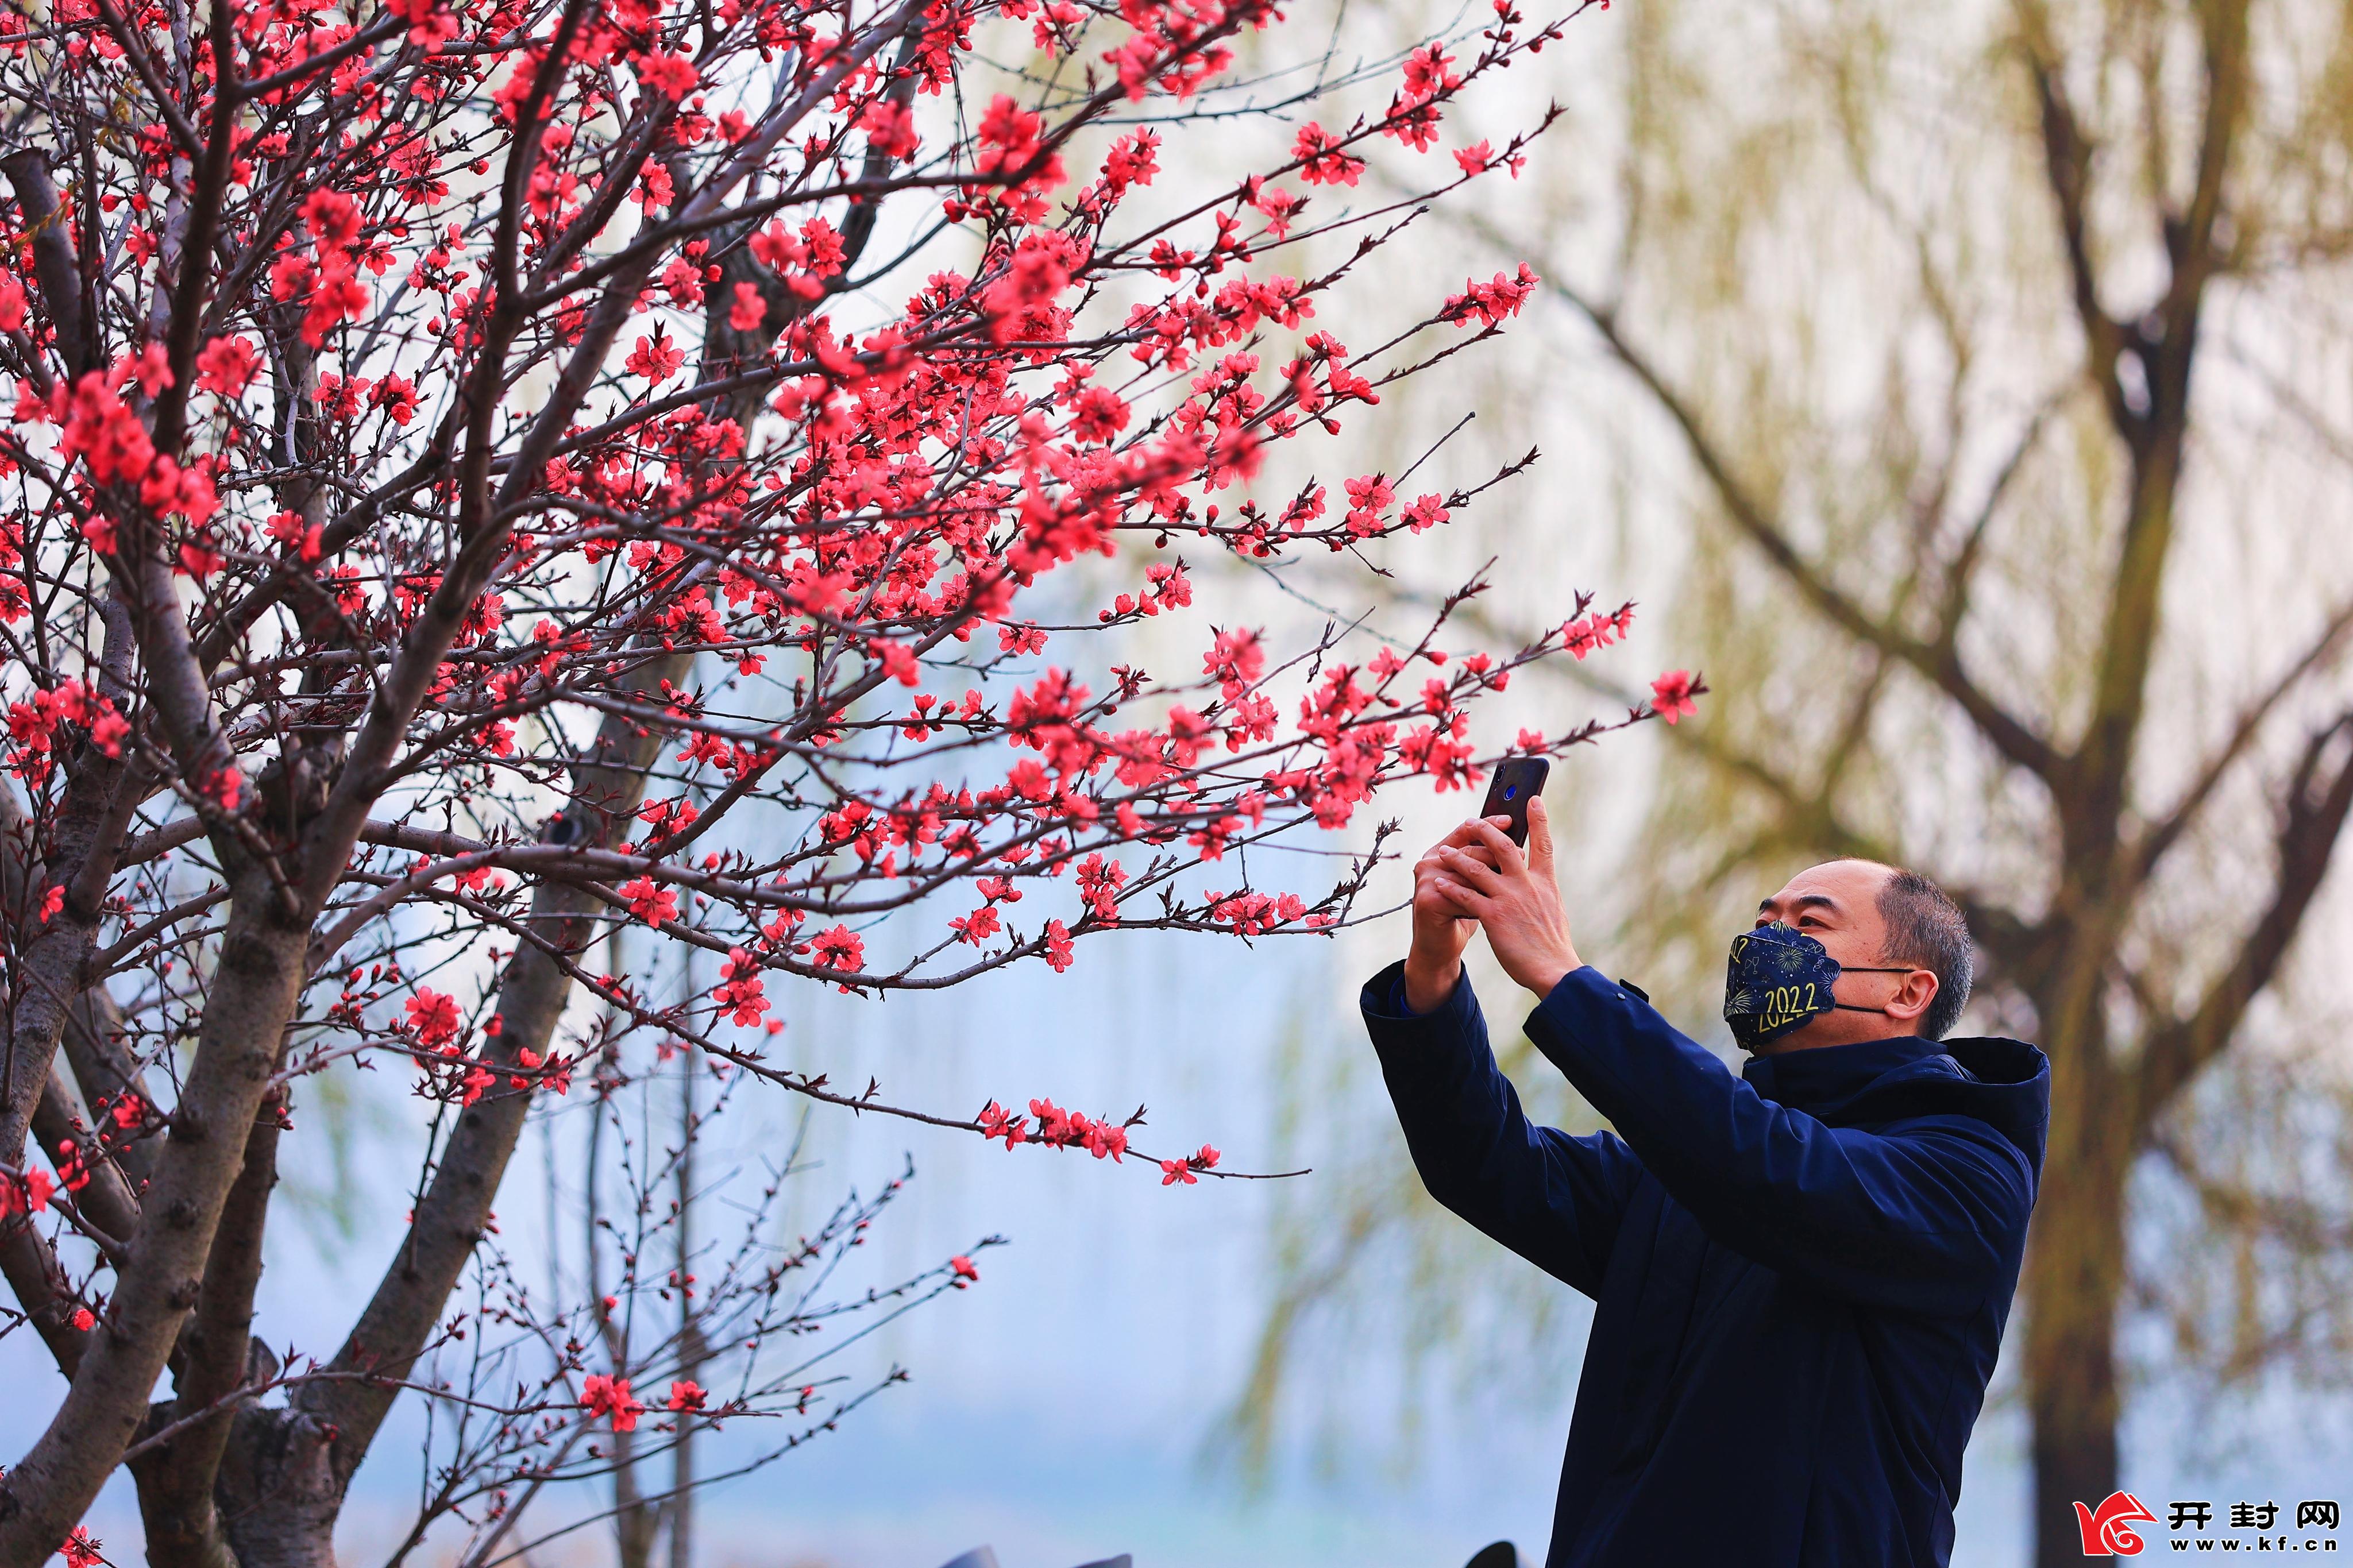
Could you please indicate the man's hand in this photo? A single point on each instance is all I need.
(1442, 929)
(1512, 895)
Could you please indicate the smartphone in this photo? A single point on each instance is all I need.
(1517, 780)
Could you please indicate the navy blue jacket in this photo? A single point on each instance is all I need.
(1800, 1273)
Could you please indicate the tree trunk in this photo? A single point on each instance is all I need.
(278, 1493)
(692, 1350)
(633, 1520)
(2074, 1279)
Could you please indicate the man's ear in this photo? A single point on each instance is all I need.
(1913, 996)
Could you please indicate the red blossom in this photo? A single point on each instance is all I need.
(1670, 695)
(996, 1123)
(1322, 161)
(1428, 72)
(1133, 160)
(333, 217)
(337, 296)
(26, 1193)
(602, 1395)
(649, 901)
(303, 539)
(1237, 660)
(226, 787)
(891, 129)
(1105, 1136)
(433, 1016)
(396, 396)
(672, 75)
(100, 429)
(226, 366)
(839, 947)
(978, 926)
(656, 358)
(1491, 303)
(106, 732)
(430, 22)
(749, 311)
(741, 998)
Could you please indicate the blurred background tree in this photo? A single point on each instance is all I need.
(1970, 385)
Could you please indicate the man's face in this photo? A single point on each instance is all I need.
(1837, 904)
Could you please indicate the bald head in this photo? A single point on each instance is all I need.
(1836, 896)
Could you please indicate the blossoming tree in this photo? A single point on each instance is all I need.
(480, 477)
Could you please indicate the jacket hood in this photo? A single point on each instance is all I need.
(2003, 1083)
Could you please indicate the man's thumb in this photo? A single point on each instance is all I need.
(1539, 834)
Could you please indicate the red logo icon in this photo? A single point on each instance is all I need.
(2110, 1532)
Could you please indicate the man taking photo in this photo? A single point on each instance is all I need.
(1800, 1273)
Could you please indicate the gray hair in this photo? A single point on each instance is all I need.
(1926, 927)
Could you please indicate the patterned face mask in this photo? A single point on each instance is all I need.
(1781, 980)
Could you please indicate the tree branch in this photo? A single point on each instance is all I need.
(2162, 835)
(55, 264)
(2312, 818)
(448, 1218)
(67, 1140)
(2152, 420)
(43, 1292)
(105, 1069)
(1938, 660)
(2067, 165)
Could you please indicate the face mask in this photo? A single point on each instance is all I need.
(1779, 981)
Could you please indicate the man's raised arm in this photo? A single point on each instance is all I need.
(1553, 1199)
(1927, 1215)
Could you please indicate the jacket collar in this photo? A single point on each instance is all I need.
(1821, 1076)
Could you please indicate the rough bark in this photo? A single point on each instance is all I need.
(255, 982)
(692, 1348)
(2074, 1281)
(217, 1355)
(55, 263)
(78, 859)
(43, 1293)
(278, 1493)
(103, 1070)
(27, 1261)
(65, 1137)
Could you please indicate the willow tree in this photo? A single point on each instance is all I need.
(1979, 376)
